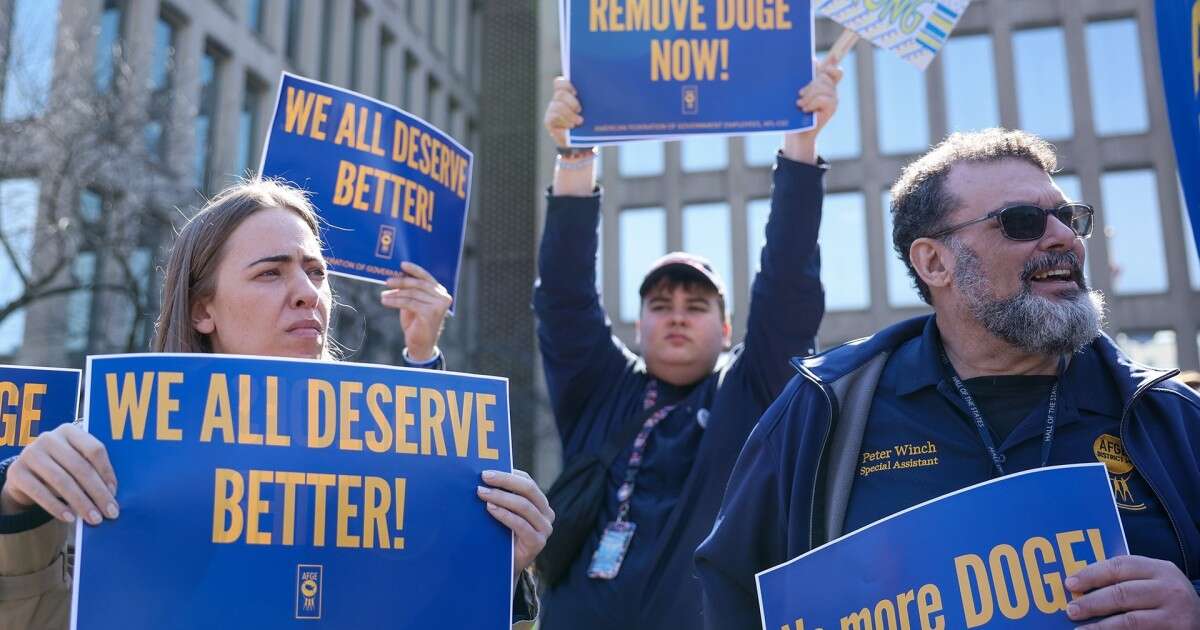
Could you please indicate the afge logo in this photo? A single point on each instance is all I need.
(691, 99)
(387, 241)
(309, 586)
(1111, 452)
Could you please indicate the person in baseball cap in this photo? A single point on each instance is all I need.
(648, 441)
(684, 324)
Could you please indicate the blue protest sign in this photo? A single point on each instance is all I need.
(34, 400)
(390, 186)
(271, 493)
(1179, 54)
(992, 555)
(666, 69)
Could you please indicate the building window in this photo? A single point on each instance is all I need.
(431, 22)
(643, 234)
(83, 272)
(1043, 85)
(452, 33)
(1070, 186)
(1133, 229)
(206, 118)
(357, 26)
(757, 212)
(640, 159)
(29, 69)
(433, 89)
(411, 68)
(761, 148)
(80, 301)
(327, 8)
(844, 260)
(1115, 71)
(292, 33)
(1189, 239)
(387, 62)
(901, 293)
(162, 69)
(108, 45)
(704, 153)
(706, 233)
(970, 83)
(902, 115)
(18, 220)
(254, 15)
(1155, 348)
(248, 128)
(842, 138)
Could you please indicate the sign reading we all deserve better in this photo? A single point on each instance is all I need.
(995, 554)
(272, 493)
(390, 186)
(34, 400)
(668, 68)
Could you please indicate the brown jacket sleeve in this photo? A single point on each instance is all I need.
(35, 579)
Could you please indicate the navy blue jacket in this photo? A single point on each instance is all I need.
(596, 385)
(784, 497)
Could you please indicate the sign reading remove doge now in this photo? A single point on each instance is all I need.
(34, 400)
(992, 555)
(665, 68)
(390, 186)
(270, 493)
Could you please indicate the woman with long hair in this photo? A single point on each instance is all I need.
(245, 276)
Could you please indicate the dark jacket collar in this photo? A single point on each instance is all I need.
(923, 359)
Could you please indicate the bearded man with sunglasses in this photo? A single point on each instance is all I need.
(1011, 372)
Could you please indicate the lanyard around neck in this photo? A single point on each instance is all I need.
(985, 434)
(625, 491)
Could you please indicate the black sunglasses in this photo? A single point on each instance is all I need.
(1027, 222)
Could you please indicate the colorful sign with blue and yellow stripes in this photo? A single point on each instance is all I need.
(913, 29)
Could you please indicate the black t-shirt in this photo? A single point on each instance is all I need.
(1004, 401)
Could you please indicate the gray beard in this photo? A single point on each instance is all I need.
(1024, 320)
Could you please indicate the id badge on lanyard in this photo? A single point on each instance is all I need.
(610, 553)
(614, 542)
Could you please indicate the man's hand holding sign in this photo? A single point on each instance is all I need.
(1133, 592)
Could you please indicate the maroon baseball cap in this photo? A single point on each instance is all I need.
(691, 264)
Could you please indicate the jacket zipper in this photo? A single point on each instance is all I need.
(812, 506)
(1158, 495)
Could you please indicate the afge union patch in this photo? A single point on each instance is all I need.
(1110, 451)
(309, 588)
(386, 242)
(690, 96)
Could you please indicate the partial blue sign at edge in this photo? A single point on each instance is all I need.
(56, 405)
(896, 557)
(363, 244)
(1178, 25)
(611, 73)
(455, 565)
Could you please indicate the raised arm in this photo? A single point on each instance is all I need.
(579, 353)
(787, 300)
(423, 303)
